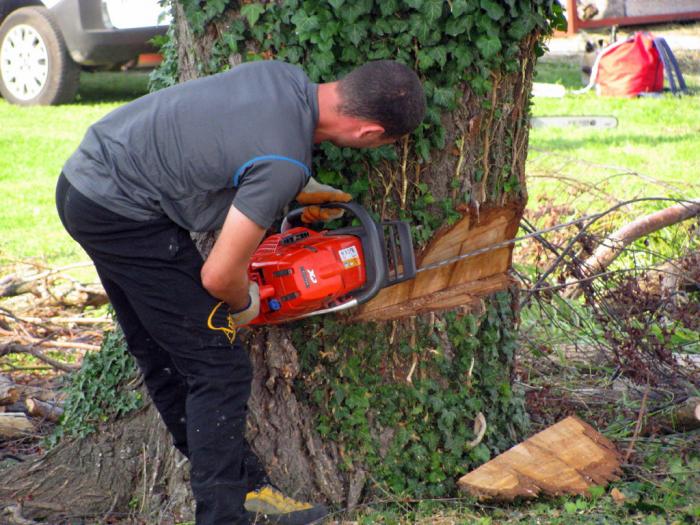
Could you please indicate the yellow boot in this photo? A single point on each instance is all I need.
(269, 503)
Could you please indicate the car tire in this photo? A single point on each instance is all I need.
(35, 66)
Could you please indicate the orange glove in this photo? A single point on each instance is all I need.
(316, 193)
(312, 214)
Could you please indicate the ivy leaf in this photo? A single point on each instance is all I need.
(304, 24)
(459, 7)
(420, 28)
(488, 45)
(388, 7)
(493, 9)
(521, 27)
(252, 12)
(415, 4)
(324, 61)
(432, 9)
(464, 56)
(439, 54)
(444, 96)
(425, 59)
(355, 33)
(336, 4)
(455, 26)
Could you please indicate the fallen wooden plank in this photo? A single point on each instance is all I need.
(461, 283)
(566, 458)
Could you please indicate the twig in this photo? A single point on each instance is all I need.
(638, 426)
(65, 320)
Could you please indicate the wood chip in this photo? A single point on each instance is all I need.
(566, 458)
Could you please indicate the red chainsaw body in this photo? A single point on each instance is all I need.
(301, 271)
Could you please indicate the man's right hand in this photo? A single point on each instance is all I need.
(250, 312)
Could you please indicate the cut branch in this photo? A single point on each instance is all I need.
(17, 284)
(9, 393)
(683, 417)
(17, 348)
(44, 410)
(613, 245)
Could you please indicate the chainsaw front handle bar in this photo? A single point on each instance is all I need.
(372, 245)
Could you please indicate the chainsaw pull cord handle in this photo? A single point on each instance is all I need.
(373, 246)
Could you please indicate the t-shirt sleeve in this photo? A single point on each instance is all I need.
(266, 188)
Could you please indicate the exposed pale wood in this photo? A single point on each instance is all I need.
(458, 284)
(14, 425)
(566, 458)
(38, 408)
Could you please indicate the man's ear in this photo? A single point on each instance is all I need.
(370, 130)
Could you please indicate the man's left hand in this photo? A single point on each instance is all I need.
(316, 193)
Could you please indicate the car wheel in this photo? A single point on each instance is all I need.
(35, 67)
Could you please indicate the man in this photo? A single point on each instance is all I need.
(228, 152)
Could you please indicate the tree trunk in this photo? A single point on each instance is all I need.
(336, 403)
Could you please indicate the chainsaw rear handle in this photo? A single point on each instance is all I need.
(372, 245)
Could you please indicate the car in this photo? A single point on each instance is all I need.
(45, 44)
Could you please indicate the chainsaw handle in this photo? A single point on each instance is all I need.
(373, 246)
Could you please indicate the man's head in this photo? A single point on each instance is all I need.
(375, 104)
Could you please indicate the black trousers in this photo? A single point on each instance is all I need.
(199, 380)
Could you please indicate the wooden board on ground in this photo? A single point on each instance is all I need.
(566, 458)
(462, 283)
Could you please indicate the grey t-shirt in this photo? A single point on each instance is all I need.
(191, 150)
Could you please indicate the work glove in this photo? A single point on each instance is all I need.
(316, 193)
(250, 312)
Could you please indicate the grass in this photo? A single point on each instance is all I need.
(654, 151)
(35, 143)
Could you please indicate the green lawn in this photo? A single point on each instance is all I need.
(35, 142)
(654, 151)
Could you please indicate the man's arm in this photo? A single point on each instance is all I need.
(225, 272)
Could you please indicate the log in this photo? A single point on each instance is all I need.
(14, 425)
(462, 283)
(9, 393)
(566, 458)
(44, 410)
(676, 275)
(683, 417)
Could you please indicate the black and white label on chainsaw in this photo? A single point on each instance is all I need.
(349, 257)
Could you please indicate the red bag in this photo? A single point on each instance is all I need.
(630, 67)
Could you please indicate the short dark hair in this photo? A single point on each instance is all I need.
(386, 92)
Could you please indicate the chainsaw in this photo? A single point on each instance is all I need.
(303, 272)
